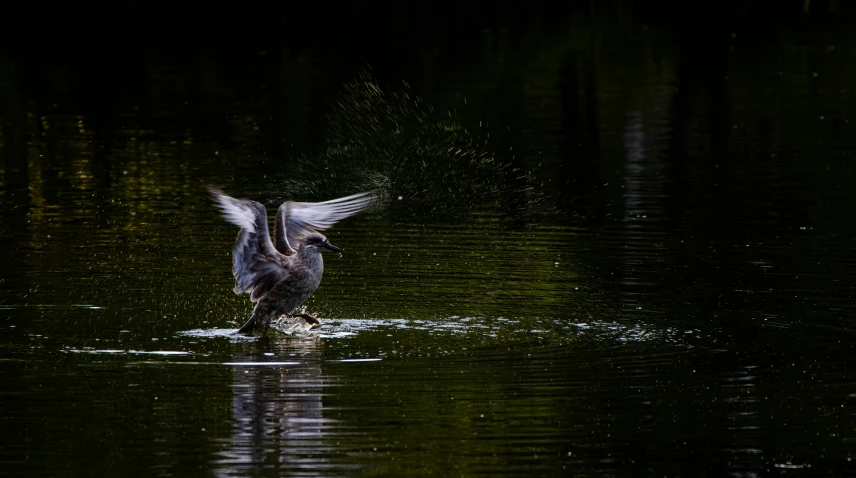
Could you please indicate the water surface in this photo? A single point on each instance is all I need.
(606, 247)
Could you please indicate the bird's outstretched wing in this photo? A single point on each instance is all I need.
(296, 219)
(255, 263)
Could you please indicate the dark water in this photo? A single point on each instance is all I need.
(612, 244)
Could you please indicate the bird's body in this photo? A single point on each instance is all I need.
(305, 269)
(281, 274)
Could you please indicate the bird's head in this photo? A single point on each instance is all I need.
(317, 241)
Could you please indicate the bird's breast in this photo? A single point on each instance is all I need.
(308, 271)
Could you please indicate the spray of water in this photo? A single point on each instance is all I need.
(421, 161)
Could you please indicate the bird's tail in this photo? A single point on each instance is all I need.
(249, 326)
(260, 319)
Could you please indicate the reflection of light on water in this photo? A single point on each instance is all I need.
(90, 350)
(337, 328)
(501, 326)
(252, 364)
(260, 364)
(639, 332)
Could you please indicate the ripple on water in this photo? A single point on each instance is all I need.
(484, 329)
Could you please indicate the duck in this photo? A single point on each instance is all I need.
(281, 274)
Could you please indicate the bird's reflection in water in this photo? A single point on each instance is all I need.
(278, 411)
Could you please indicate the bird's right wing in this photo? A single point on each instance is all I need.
(296, 219)
(255, 263)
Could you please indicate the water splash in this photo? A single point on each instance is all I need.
(230, 334)
(421, 161)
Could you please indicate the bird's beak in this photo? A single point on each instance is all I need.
(333, 248)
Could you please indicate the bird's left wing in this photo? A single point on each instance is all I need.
(296, 219)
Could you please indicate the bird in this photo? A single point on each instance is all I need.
(280, 274)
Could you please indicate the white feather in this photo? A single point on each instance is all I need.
(237, 214)
(298, 217)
